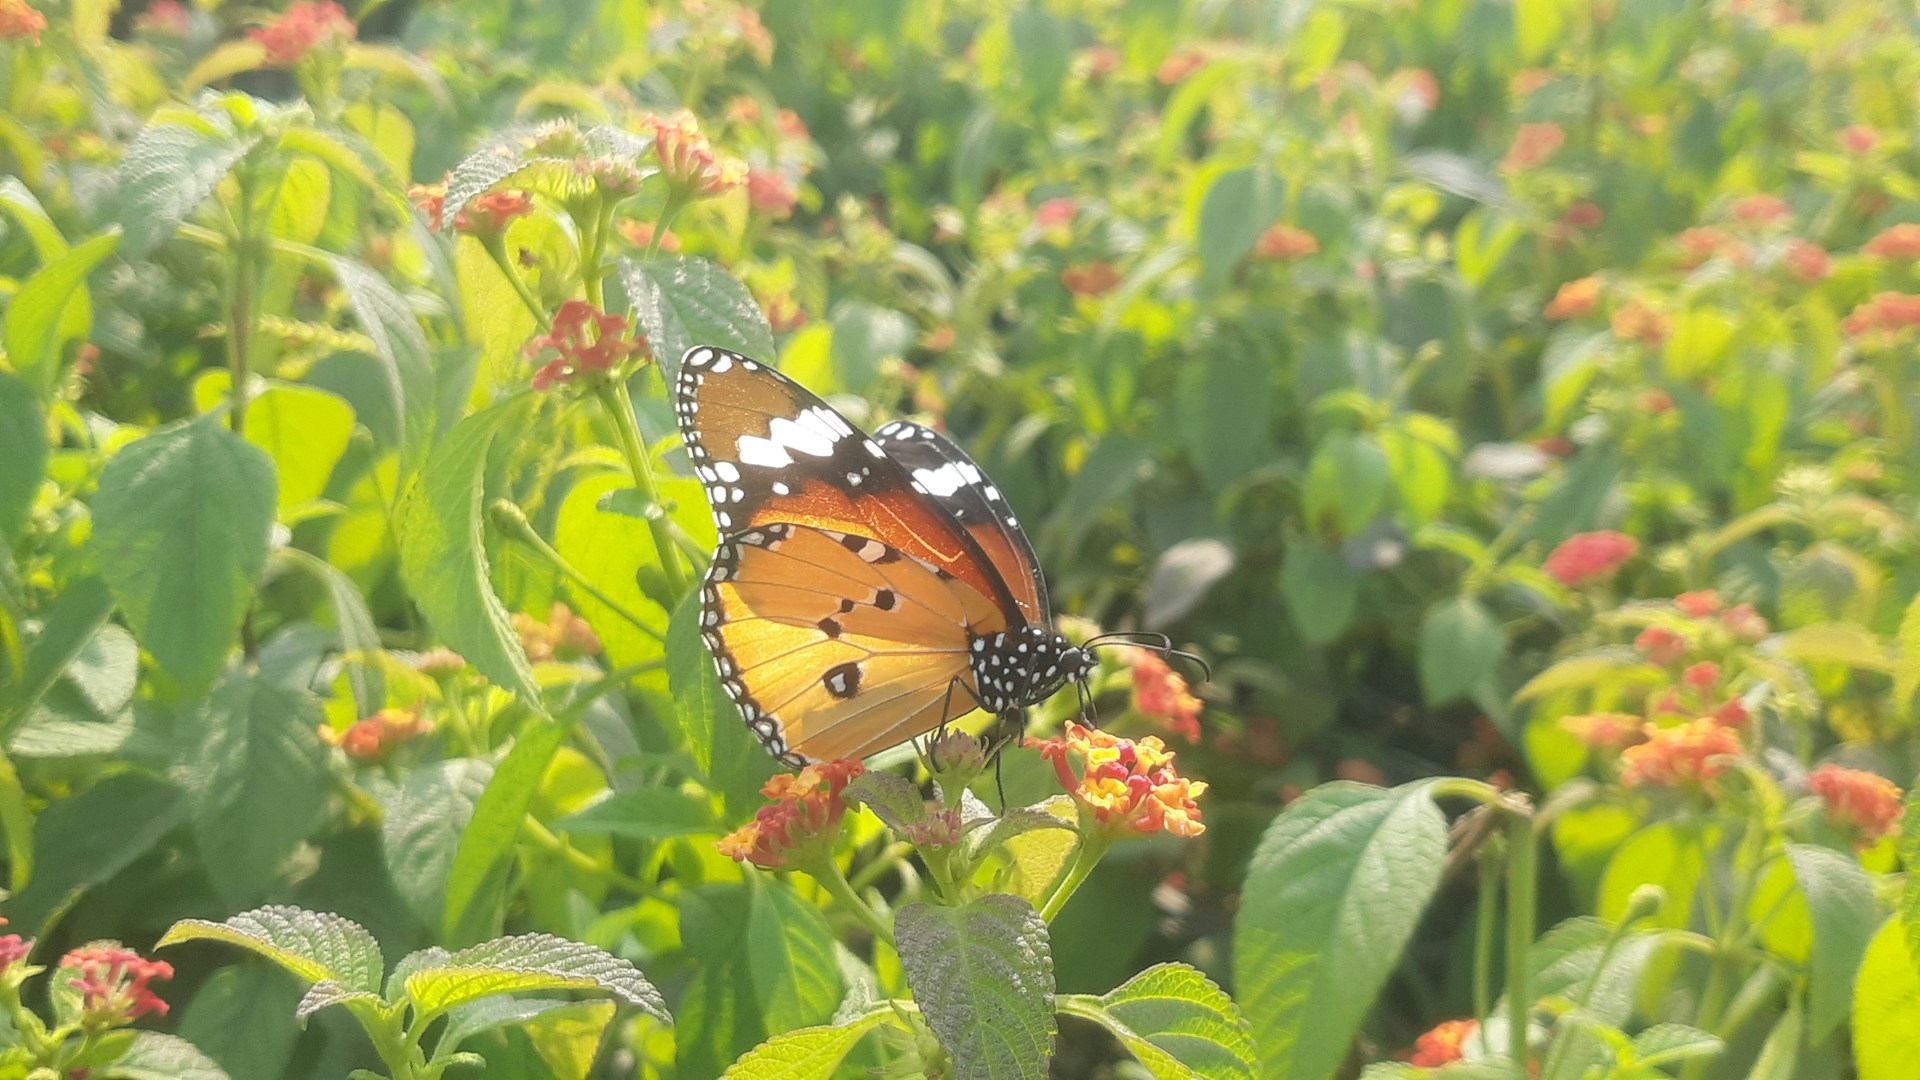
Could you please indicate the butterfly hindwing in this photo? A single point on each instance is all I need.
(835, 645)
(944, 473)
(770, 451)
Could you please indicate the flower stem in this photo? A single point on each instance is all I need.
(828, 874)
(514, 523)
(1093, 847)
(619, 407)
(496, 249)
(1520, 919)
(675, 203)
(580, 860)
(1486, 925)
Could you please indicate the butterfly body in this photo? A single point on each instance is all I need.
(864, 590)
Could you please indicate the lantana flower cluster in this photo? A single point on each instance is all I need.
(801, 821)
(302, 28)
(1125, 786)
(374, 738)
(1161, 695)
(583, 341)
(564, 636)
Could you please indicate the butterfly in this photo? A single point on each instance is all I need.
(865, 589)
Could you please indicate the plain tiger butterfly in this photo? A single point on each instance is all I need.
(865, 589)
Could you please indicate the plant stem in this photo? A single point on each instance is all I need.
(580, 860)
(496, 249)
(1486, 920)
(515, 524)
(1520, 918)
(619, 407)
(827, 872)
(1093, 847)
(675, 203)
(884, 862)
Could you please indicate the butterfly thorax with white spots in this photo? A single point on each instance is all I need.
(1017, 668)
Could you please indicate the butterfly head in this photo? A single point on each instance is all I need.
(1017, 668)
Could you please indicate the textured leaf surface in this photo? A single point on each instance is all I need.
(169, 170)
(812, 1053)
(982, 975)
(1333, 893)
(421, 833)
(1886, 1007)
(406, 361)
(315, 945)
(681, 301)
(1176, 1021)
(53, 308)
(181, 524)
(83, 840)
(1845, 916)
(531, 962)
(477, 878)
(156, 1056)
(327, 993)
(647, 813)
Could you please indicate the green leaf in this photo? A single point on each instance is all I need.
(242, 1017)
(1320, 589)
(1608, 666)
(52, 309)
(66, 627)
(1910, 858)
(491, 1014)
(1461, 645)
(1333, 894)
(420, 835)
(303, 429)
(1566, 962)
(530, 963)
(1663, 1043)
(812, 1053)
(17, 819)
(893, 798)
(680, 301)
(1176, 1021)
(1845, 916)
(19, 204)
(443, 554)
(1182, 577)
(610, 549)
(1886, 1007)
(155, 1056)
(401, 346)
(982, 974)
(1238, 206)
(1661, 854)
(84, 839)
(327, 993)
(317, 946)
(763, 963)
(646, 814)
(354, 623)
(725, 752)
(1906, 666)
(252, 744)
(1226, 407)
(24, 447)
(476, 882)
(169, 170)
(1846, 644)
(181, 524)
(1537, 25)
(1347, 484)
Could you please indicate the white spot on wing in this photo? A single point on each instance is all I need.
(726, 470)
(947, 479)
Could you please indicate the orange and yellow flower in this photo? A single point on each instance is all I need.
(1866, 804)
(1126, 786)
(1443, 1044)
(1687, 756)
(1589, 558)
(1161, 695)
(302, 28)
(801, 821)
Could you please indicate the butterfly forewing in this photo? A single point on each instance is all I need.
(769, 450)
(944, 473)
(835, 645)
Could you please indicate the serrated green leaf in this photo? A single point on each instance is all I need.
(24, 447)
(252, 744)
(242, 1018)
(401, 346)
(1333, 894)
(85, 839)
(443, 553)
(1845, 916)
(53, 309)
(1016, 822)
(476, 881)
(645, 813)
(181, 524)
(317, 946)
(19, 204)
(302, 428)
(1663, 1043)
(168, 171)
(764, 962)
(1176, 1022)
(710, 726)
(892, 797)
(421, 832)
(66, 626)
(327, 993)
(982, 974)
(680, 301)
(152, 1055)
(490, 1014)
(530, 963)
(1461, 646)
(812, 1053)
(1886, 1007)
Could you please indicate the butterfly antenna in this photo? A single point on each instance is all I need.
(1162, 645)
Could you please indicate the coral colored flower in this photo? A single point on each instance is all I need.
(1703, 243)
(1416, 87)
(431, 201)
(1182, 63)
(1589, 558)
(19, 19)
(1090, 279)
(1661, 645)
(439, 662)
(940, 338)
(769, 191)
(1160, 694)
(112, 984)
(1442, 1044)
(1702, 676)
(1687, 756)
(490, 212)
(1575, 298)
(1585, 216)
(1865, 803)
(1126, 786)
(688, 160)
(164, 18)
(640, 235)
(302, 28)
(1056, 213)
(13, 949)
(1653, 401)
(1887, 312)
(1604, 731)
(1636, 321)
(1285, 243)
(1744, 623)
(784, 313)
(1899, 243)
(583, 340)
(1732, 712)
(373, 738)
(802, 820)
(1761, 209)
(1859, 139)
(563, 636)
(1808, 261)
(1099, 61)
(1533, 146)
(790, 126)
(1698, 605)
